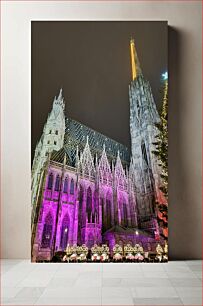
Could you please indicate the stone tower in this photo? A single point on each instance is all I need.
(52, 139)
(143, 120)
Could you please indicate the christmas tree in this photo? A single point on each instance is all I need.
(161, 151)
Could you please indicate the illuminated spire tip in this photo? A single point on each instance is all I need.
(135, 65)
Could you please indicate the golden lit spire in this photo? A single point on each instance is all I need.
(134, 60)
(132, 51)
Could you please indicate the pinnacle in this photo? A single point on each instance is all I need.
(87, 140)
(60, 93)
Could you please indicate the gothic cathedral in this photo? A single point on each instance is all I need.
(89, 189)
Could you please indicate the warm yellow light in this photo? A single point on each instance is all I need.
(133, 64)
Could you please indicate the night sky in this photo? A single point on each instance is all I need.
(91, 62)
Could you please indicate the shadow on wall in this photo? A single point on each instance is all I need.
(184, 205)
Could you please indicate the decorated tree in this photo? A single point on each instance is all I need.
(161, 151)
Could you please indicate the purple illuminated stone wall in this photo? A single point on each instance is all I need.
(83, 209)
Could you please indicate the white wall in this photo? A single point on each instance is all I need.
(184, 18)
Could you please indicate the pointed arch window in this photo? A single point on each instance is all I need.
(72, 186)
(144, 152)
(47, 231)
(96, 202)
(80, 198)
(50, 181)
(56, 132)
(64, 232)
(89, 204)
(57, 184)
(65, 186)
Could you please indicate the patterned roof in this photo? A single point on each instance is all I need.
(76, 135)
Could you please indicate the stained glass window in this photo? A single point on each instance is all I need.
(50, 181)
(65, 187)
(57, 184)
(80, 198)
(72, 187)
(89, 203)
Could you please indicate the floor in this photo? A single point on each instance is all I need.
(173, 283)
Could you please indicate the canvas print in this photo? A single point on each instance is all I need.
(99, 188)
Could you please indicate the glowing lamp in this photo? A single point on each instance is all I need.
(165, 76)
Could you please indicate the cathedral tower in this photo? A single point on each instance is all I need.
(51, 139)
(53, 133)
(143, 120)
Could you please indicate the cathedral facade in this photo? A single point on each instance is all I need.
(89, 189)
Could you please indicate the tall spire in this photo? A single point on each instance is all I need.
(86, 161)
(59, 101)
(60, 96)
(135, 65)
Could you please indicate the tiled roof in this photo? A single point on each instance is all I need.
(76, 135)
